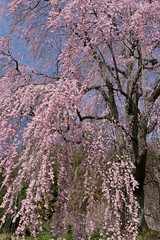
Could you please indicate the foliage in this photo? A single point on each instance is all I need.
(96, 89)
(145, 235)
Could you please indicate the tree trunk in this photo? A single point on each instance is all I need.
(139, 193)
(140, 172)
(137, 148)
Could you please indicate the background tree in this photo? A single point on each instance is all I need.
(105, 55)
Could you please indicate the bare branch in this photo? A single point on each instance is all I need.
(89, 117)
(45, 75)
(100, 89)
(151, 127)
(155, 94)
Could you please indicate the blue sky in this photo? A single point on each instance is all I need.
(4, 22)
(18, 44)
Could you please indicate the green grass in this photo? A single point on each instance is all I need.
(149, 235)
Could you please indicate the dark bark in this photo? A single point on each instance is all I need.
(140, 174)
(138, 152)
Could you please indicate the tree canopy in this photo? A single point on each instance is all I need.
(95, 93)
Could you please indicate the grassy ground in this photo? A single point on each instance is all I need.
(4, 237)
(151, 235)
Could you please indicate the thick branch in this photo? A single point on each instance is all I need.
(89, 117)
(100, 89)
(155, 94)
(151, 127)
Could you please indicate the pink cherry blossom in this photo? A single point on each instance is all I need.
(87, 112)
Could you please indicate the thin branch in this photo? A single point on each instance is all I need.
(29, 84)
(27, 12)
(45, 75)
(16, 62)
(107, 117)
